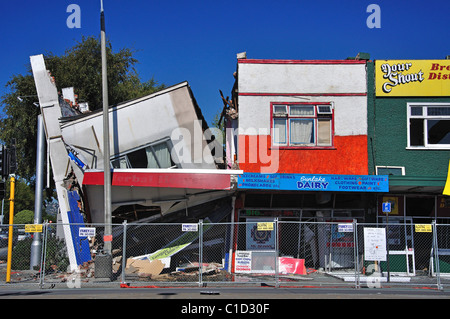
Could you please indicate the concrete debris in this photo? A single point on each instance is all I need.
(144, 268)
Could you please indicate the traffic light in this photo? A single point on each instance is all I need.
(8, 161)
(12, 162)
(2, 190)
(3, 162)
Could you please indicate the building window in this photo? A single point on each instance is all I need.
(154, 155)
(302, 125)
(429, 125)
(390, 170)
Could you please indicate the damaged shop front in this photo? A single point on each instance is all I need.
(315, 215)
(165, 162)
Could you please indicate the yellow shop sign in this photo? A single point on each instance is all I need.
(412, 78)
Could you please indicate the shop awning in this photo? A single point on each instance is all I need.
(416, 184)
(165, 178)
(169, 189)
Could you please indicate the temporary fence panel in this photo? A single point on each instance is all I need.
(259, 252)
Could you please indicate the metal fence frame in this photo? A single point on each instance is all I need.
(333, 255)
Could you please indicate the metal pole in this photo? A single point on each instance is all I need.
(387, 249)
(355, 253)
(277, 281)
(230, 253)
(106, 155)
(124, 251)
(200, 252)
(43, 254)
(36, 245)
(436, 255)
(11, 228)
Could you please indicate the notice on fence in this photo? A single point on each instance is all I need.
(375, 244)
(423, 228)
(189, 227)
(86, 232)
(345, 228)
(265, 226)
(243, 261)
(33, 228)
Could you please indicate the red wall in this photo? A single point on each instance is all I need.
(348, 157)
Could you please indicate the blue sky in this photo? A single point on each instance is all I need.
(197, 40)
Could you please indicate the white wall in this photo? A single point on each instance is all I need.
(302, 78)
(331, 79)
(350, 113)
(137, 123)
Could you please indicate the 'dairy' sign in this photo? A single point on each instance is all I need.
(412, 77)
(343, 183)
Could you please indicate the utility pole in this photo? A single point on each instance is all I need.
(107, 239)
(36, 245)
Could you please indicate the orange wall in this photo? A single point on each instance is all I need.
(349, 157)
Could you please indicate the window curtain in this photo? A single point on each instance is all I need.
(304, 110)
(324, 132)
(120, 162)
(279, 133)
(302, 131)
(163, 155)
(123, 162)
(151, 160)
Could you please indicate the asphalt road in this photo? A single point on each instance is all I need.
(234, 293)
(261, 302)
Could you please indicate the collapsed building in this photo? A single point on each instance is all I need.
(165, 160)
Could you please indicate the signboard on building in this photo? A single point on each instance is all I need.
(412, 78)
(305, 182)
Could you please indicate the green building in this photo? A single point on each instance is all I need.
(409, 140)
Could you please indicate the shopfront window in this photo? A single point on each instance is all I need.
(429, 125)
(302, 125)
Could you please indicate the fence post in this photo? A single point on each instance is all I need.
(277, 277)
(200, 252)
(43, 255)
(436, 256)
(355, 253)
(124, 251)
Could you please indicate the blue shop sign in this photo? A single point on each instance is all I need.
(313, 182)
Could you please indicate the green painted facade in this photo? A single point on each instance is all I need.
(387, 139)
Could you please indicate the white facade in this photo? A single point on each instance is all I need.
(262, 82)
(137, 123)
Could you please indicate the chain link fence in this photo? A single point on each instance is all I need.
(259, 253)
